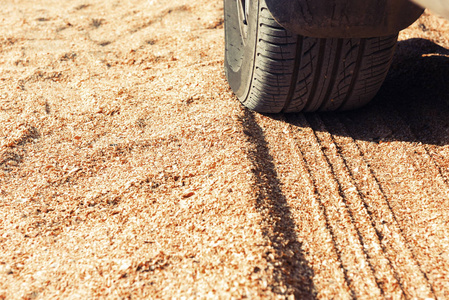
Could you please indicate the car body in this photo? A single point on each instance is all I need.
(350, 18)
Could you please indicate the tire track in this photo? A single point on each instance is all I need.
(369, 237)
(415, 107)
(358, 270)
(347, 251)
(329, 279)
(433, 198)
(415, 192)
(378, 210)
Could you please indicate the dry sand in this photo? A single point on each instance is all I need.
(129, 170)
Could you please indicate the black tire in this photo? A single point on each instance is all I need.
(271, 70)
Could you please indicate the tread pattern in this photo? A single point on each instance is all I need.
(296, 73)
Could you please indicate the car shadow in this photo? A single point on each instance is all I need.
(416, 93)
(290, 267)
(411, 106)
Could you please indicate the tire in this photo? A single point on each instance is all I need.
(272, 70)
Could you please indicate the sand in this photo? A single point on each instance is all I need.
(128, 169)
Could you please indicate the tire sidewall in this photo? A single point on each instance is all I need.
(239, 74)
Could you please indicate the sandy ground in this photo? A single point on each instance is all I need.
(129, 170)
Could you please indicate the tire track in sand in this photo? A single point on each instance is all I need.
(359, 269)
(339, 205)
(413, 105)
(311, 228)
(326, 227)
(423, 210)
(377, 211)
(369, 237)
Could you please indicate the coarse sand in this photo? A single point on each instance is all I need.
(128, 169)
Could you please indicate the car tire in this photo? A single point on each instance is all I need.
(272, 70)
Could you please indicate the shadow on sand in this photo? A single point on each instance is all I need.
(413, 103)
(291, 268)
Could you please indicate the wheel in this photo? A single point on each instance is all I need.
(272, 70)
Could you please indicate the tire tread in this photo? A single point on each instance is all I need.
(296, 73)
